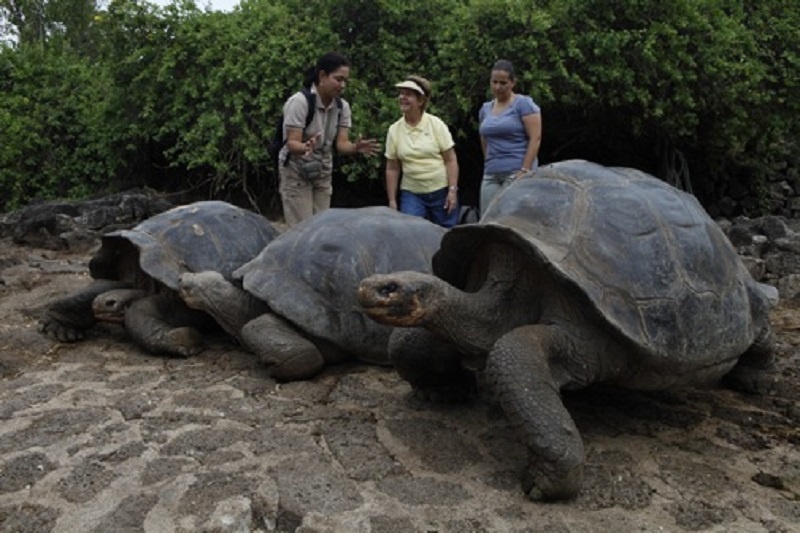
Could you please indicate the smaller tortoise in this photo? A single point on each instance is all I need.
(295, 306)
(577, 275)
(136, 275)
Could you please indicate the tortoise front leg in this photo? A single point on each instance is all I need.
(163, 324)
(65, 320)
(519, 368)
(288, 353)
(431, 365)
(755, 371)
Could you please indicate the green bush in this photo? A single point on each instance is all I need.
(54, 136)
(700, 92)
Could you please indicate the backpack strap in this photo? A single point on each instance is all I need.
(311, 100)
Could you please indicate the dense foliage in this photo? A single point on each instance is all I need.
(703, 93)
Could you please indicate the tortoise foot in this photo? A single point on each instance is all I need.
(287, 353)
(552, 484)
(59, 331)
(752, 380)
(531, 490)
(185, 342)
(294, 367)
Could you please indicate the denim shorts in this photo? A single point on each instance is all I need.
(429, 205)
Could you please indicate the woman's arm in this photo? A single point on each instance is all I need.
(361, 146)
(451, 168)
(295, 143)
(533, 127)
(481, 117)
(392, 179)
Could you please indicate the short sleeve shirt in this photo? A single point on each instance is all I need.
(505, 135)
(325, 120)
(419, 150)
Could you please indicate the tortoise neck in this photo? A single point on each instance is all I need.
(469, 319)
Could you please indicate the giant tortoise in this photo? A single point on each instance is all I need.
(578, 274)
(295, 305)
(136, 274)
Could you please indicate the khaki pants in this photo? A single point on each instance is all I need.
(302, 198)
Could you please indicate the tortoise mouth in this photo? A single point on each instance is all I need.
(393, 315)
(109, 318)
(188, 292)
(386, 301)
(111, 306)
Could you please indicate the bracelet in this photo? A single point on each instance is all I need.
(453, 187)
(523, 169)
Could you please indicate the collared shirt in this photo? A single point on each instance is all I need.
(325, 120)
(419, 150)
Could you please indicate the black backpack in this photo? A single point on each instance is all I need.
(278, 141)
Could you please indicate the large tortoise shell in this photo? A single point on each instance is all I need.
(644, 254)
(208, 235)
(310, 274)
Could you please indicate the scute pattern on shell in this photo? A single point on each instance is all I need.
(646, 256)
(310, 275)
(207, 235)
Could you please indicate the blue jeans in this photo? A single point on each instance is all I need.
(493, 184)
(429, 205)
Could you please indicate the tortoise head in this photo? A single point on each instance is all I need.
(200, 289)
(402, 299)
(112, 305)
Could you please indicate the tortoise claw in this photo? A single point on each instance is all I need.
(185, 341)
(556, 482)
(530, 488)
(59, 331)
(752, 381)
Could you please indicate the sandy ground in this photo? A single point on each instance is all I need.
(99, 436)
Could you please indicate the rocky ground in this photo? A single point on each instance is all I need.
(100, 437)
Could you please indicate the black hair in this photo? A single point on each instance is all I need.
(505, 66)
(327, 63)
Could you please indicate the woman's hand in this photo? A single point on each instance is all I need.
(368, 147)
(452, 199)
(309, 145)
(451, 169)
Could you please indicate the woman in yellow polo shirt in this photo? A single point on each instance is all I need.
(420, 146)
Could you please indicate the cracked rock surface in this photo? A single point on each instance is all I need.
(99, 436)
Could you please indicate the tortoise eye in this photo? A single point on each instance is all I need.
(388, 289)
